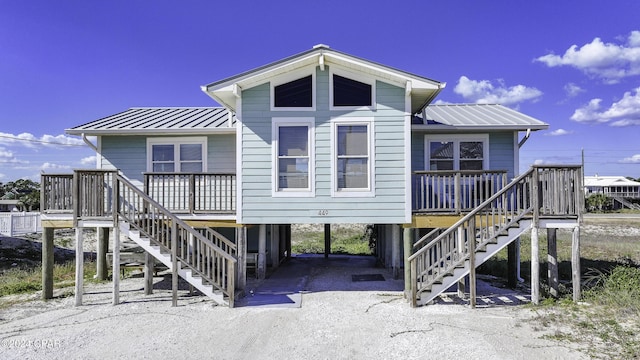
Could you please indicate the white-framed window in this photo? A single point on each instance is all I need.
(169, 155)
(293, 156)
(352, 157)
(294, 91)
(457, 152)
(350, 91)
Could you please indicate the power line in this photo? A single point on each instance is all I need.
(39, 141)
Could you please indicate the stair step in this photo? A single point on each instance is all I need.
(445, 281)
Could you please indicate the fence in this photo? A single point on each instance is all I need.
(19, 223)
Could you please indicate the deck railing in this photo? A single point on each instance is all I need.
(179, 192)
(207, 254)
(623, 194)
(56, 193)
(193, 193)
(543, 191)
(93, 193)
(454, 191)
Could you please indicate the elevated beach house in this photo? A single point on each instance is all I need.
(622, 191)
(321, 137)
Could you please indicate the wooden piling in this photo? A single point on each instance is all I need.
(535, 267)
(115, 267)
(327, 240)
(149, 264)
(552, 262)
(395, 251)
(102, 248)
(79, 266)
(261, 268)
(241, 248)
(47, 263)
(408, 245)
(575, 264)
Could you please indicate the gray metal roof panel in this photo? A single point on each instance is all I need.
(138, 120)
(478, 116)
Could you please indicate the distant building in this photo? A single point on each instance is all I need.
(622, 190)
(9, 205)
(613, 186)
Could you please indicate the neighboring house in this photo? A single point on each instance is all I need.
(7, 205)
(614, 186)
(619, 188)
(320, 137)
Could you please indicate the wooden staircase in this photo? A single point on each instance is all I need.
(443, 257)
(626, 203)
(204, 258)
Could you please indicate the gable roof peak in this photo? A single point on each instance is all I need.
(421, 89)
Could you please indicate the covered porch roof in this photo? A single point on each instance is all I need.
(474, 117)
(173, 121)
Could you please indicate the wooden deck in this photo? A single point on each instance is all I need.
(209, 199)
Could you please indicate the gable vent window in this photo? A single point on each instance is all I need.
(348, 92)
(294, 94)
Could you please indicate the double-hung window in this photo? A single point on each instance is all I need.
(457, 152)
(293, 160)
(352, 157)
(169, 155)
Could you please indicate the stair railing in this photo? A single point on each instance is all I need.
(209, 256)
(543, 190)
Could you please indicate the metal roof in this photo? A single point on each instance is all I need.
(176, 121)
(159, 120)
(477, 116)
(609, 181)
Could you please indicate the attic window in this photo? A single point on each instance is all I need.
(294, 94)
(351, 91)
(348, 92)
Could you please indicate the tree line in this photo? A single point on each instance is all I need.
(27, 192)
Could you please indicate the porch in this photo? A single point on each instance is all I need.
(87, 194)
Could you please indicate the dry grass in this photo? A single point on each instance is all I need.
(607, 323)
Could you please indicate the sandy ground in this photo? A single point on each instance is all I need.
(329, 324)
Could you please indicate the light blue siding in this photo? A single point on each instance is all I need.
(258, 204)
(501, 151)
(129, 154)
(125, 153)
(501, 148)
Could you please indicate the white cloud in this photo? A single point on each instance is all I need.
(89, 160)
(634, 159)
(559, 132)
(573, 90)
(539, 162)
(484, 92)
(8, 157)
(608, 61)
(625, 112)
(32, 141)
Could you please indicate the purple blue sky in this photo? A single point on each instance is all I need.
(572, 64)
